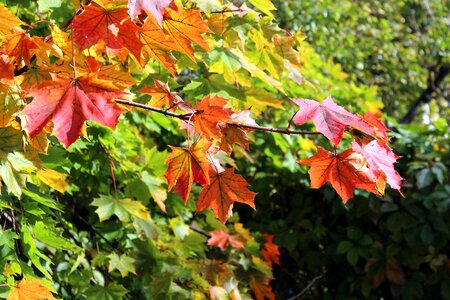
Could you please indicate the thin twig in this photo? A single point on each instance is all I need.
(310, 284)
(199, 231)
(186, 117)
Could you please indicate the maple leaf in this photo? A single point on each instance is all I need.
(8, 21)
(20, 46)
(211, 111)
(221, 239)
(30, 290)
(345, 171)
(154, 7)
(122, 208)
(157, 45)
(270, 250)
(185, 27)
(330, 119)
(161, 94)
(381, 159)
(379, 127)
(6, 70)
(186, 165)
(111, 25)
(68, 103)
(224, 189)
(234, 134)
(262, 289)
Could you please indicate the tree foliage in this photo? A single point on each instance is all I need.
(117, 82)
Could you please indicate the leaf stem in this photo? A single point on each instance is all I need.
(186, 117)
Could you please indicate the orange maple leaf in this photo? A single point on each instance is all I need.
(157, 45)
(225, 189)
(262, 289)
(20, 46)
(161, 94)
(68, 103)
(186, 165)
(345, 171)
(185, 27)
(211, 111)
(30, 290)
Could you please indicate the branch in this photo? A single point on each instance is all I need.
(310, 284)
(433, 84)
(186, 117)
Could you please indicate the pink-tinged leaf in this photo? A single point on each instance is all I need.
(381, 159)
(68, 103)
(345, 171)
(330, 119)
(154, 7)
(221, 239)
(232, 134)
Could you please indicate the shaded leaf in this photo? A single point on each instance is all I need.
(122, 208)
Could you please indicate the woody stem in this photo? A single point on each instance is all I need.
(185, 117)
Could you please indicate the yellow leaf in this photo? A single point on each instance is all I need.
(264, 5)
(8, 21)
(53, 179)
(30, 290)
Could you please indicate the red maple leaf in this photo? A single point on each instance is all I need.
(68, 103)
(379, 127)
(330, 119)
(270, 250)
(345, 171)
(111, 25)
(381, 159)
(186, 165)
(224, 189)
(211, 111)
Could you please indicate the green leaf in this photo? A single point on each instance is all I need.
(32, 252)
(52, 237)
(14, 168)
(110, 292)
(344, 247)
(352, 256)
(35, 197)
(424, 178)
(48, 4)
(156, 190)
(122, 208)
(123, 263)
